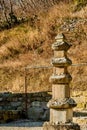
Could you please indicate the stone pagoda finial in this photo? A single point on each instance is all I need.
(61, 104)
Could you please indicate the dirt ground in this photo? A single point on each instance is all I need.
(27, 125)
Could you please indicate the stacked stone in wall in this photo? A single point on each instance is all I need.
(13, 105)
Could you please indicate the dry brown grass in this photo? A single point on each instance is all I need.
(82, 13)
(30, 44)
(35, 37)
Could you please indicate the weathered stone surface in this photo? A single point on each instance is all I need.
(67, 126)
(35, 113)
(59, 54)
(62, 103)
(61, 62)
(60, 91)
(58, 71)
(60, 37)
(38, 111)
(1, 99)
(61, 115)
(15, 104)
(1, 108)
(20, 108)
(60, 79)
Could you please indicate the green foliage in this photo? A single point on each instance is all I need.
(79, 4)
(4, 40)
(13, 18)
(40, 50)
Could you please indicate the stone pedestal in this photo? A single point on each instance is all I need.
(61, 104)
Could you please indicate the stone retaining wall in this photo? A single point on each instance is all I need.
(12, 101)
(13, 105)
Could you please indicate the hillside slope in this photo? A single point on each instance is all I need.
(30, 44)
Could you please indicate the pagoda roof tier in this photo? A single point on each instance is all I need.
(62, 103)
(60, 46)
(61, 62)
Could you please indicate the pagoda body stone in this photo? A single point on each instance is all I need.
(61, 105)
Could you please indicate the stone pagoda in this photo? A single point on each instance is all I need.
(61, 104)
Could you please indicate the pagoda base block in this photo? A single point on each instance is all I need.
(66, 126)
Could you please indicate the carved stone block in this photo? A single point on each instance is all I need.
(61, 115)
(60, 91)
